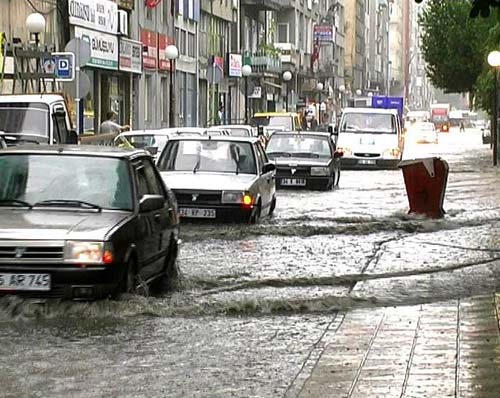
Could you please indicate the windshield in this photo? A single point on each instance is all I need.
(368, 122)
(142, 141)
(206, 155)
(273, 121)
(103, 182)
(29, 118)
(295, 144)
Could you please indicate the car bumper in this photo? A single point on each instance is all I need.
(223, 212)
(69, 282)
(311, 182)
(376, 163)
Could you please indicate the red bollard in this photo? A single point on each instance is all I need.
(425, 181)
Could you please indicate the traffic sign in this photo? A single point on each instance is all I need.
(65, 66)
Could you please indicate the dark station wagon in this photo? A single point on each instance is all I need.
(83, 222)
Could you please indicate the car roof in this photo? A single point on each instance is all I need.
(83, 150)
(263, 114)
(303, 133)
(145, 132)
(233, 126)
(370, 110)
(214, 138)
(45, 98)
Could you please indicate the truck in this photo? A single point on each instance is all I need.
(440, 116)
(35, 118)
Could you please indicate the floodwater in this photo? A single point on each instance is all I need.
(255, 301)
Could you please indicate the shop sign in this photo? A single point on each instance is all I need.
(257, 92)
(103, 48)
(101, 15)
(130, 56)
(150, 49)
(235, 62)
(323, 33)
(163, 61)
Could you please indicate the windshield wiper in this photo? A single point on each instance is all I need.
(68, 203)
(286, 154)
(20, 203)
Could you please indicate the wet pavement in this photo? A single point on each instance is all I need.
(340, 294)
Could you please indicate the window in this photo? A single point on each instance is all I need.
(182, 43)
(164, 99)
(283, 33)
(147, 179)
(191, 45)
(149, 13)
(148, 93)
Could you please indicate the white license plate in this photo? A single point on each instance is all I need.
(25, 282)
(367, 161)
(197, 213)
(301, 182)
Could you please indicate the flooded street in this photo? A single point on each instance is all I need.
(255, 303)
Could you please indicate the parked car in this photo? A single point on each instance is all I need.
(237, 130)
(423, 132)
(151, 140)
(81, 222)
(304, 160)
(219, 177)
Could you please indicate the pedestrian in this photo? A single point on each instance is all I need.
(110, 126)
(221, 114)
(462, 127)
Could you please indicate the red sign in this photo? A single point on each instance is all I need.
(152, 3)
(150, 49)
(163, 42)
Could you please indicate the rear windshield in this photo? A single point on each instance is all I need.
(273, 121)
(369, 123)
(24, 118)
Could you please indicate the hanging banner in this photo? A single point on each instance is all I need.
(163, 62)
(150, 49)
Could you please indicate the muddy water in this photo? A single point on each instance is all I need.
(254, 301)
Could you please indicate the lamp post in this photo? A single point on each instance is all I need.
(36, 24)
(287, 76)
(172, 53)
(319, 87)
(246, 71)
(494, 62)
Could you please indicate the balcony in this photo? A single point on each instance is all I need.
(267, 5)
(263, 63)
(288, 53)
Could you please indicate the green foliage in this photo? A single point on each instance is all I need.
(454, 45)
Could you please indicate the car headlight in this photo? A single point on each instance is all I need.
(320, 171)
(232, 196)
(393, 152)
(88, 252)
(345, 151)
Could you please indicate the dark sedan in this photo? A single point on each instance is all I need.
(304, 160)
(84, 222)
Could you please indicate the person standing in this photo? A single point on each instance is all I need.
(109, 126)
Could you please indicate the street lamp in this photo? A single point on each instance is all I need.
(36, 24)
(358, 92)
(287, 76)
(494, 62)
(319, 87)
(246, 71)
(172, 53)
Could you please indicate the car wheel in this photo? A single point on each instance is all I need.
(255, 216)
(170, 275)
(128, 282)
(273, 206)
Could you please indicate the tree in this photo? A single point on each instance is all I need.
(454, 45)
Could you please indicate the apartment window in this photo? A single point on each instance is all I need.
(283, 33)
(149, 13)
(182, 42)
(165, 9)
(191, 45)
(148, 95)
(164, 99)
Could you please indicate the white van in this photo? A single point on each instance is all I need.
(370, 138)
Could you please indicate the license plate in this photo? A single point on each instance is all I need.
(293, 182)
(25, 282)
(367, 161)
(197, 213)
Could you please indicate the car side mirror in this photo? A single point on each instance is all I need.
(72, 137)
(268, 167)
(153, 150)
(151, 203)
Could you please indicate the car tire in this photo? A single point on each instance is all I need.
(167, 281)
(128, 282)
(255, 216)
(273, 206)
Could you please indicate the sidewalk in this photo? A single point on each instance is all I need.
(448, 349)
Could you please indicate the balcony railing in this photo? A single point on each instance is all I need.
(262, 62)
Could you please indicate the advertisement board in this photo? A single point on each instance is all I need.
(163, 62)
(101, 15)
(103, 48)
(323, 33)
(130, 56)
(150, 49)
(235, 64)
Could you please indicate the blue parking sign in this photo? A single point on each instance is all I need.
(65, 63)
